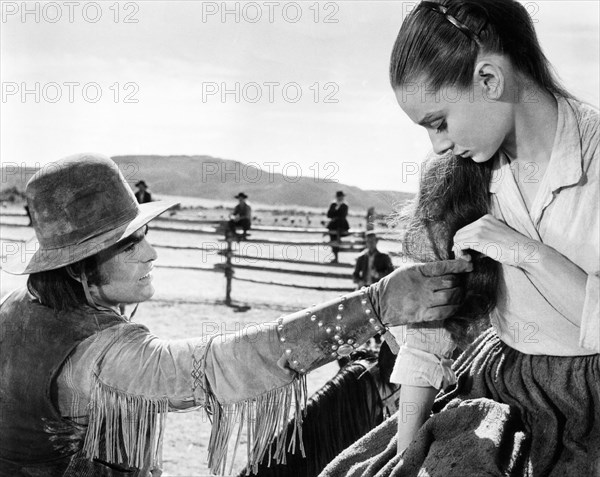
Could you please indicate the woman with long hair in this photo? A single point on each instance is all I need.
(514, 185)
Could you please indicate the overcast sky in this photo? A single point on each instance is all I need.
(292, 87)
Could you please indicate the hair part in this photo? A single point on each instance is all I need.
(430, 47)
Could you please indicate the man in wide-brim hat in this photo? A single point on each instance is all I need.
(84, 391)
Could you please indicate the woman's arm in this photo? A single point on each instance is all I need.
(565, 285)
(414, 409)
(561, 281)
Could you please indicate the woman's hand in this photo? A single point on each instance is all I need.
(498, 241)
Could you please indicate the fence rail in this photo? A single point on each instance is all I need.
(225, 249)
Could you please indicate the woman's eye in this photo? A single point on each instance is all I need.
(440, 127)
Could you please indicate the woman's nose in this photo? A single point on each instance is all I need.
(440, 142)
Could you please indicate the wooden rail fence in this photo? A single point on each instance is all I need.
(354, 243)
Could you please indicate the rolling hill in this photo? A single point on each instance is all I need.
(220, 179)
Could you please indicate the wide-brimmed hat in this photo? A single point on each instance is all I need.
(141, 183)
(340, 193)
(241, 195)
(79, 206)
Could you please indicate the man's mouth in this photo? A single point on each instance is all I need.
(147, 276)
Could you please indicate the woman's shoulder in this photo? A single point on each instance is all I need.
(587, 118)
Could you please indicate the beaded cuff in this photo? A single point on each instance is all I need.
(322, 333)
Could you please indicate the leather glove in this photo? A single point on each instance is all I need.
(419, 292)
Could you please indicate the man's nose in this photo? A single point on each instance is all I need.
(148, 252)
(440, 142)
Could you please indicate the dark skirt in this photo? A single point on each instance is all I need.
(510, 414)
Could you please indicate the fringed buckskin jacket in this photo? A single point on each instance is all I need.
(85, 392)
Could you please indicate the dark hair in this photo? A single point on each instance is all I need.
(433, 47)
(58, 290)
(453, 193)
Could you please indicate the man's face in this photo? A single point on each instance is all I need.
(125, 271)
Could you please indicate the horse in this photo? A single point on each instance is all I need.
(357, 399)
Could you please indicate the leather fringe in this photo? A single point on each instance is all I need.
(265, 419)
(125, 429)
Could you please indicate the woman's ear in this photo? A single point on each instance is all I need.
(489, 76)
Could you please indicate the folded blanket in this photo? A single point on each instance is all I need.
(510, 414)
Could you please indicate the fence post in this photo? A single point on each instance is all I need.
(228, 269)
(227, 266)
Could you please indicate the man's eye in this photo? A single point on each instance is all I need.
(130, 248)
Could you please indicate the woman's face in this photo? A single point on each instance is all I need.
(465, 122)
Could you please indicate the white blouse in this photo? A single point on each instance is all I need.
(565, 215)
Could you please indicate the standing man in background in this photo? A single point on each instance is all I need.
(338, 226)
(371, 265)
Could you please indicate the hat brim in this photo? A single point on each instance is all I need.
(29, 257)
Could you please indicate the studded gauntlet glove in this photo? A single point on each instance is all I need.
(322, 333)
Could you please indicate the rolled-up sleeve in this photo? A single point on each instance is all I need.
(425, 356)
(590, 320)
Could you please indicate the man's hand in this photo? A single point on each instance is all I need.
(419, 292)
